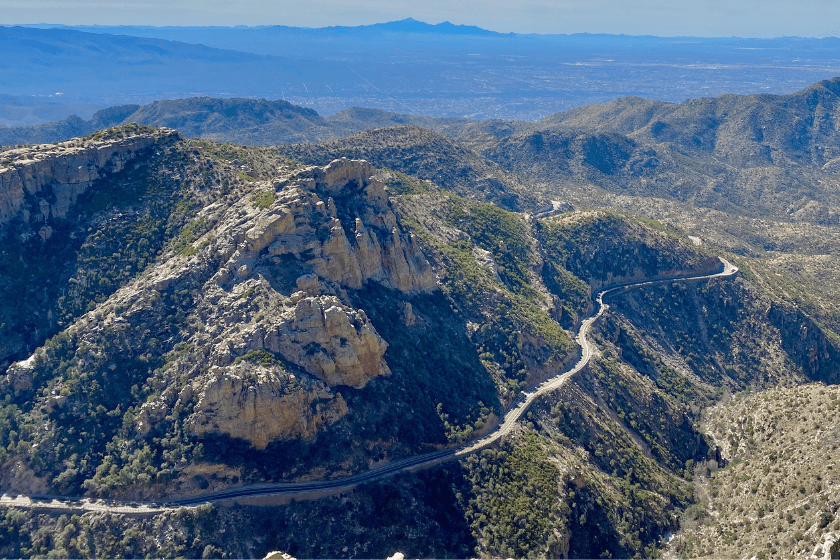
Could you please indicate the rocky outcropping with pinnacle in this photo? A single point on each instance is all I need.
(269, 279)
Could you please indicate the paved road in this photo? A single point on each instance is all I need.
(302, 489)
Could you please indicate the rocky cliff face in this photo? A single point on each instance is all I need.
(806, 343)
(260, 405)
(269, 276)
(310, 323)
(40, 183)
(369, 246)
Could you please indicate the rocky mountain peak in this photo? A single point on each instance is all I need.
(341, 172)
(288, 267)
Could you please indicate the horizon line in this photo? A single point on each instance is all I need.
(441, 26)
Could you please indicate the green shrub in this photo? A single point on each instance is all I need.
(263, 199)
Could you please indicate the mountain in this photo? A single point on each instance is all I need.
(748, 130)
(191, 317)
(411, 67)
(102, 67)
(754, 175)
(234, 120)
(411, 25)
(781, 151)
(360, 119)
(238, 37)
(185, 316)
(716, 168)
(242, 121)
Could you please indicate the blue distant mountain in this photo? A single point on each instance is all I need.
(408, 25)
(113, 69)
(407, 66)
(411, 25)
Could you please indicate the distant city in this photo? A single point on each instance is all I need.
(406, 67)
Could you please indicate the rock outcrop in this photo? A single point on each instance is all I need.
(262, 405)
(335, 227)
(367, 246)
(19, 375)
(337, 224)
(320, 334)
(330, 341)
(347, 250)
(54, 178)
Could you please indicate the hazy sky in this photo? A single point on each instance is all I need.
(746, 18)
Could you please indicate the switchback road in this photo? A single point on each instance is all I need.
(302, 490)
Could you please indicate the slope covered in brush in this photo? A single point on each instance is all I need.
(765, 155)
(427, 155)
(272, 321)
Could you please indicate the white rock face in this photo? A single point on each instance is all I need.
(268, 227)
(301, 224)
(63, 172)
(341, 172)
(828, 547)
(331, 341)
(19, 374)
(375, 250)
(260, 405)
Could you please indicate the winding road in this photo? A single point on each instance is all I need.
(302, 490)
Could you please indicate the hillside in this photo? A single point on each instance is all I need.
(759, 155)
(427, 155)
(742, 130)
(749, 174)
(241, 121)
(777, 493)
(201, 316)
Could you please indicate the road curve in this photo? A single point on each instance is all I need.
(301, 489)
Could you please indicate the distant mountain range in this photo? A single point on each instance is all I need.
(408, 66)
(408, 25)
(102, 67)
